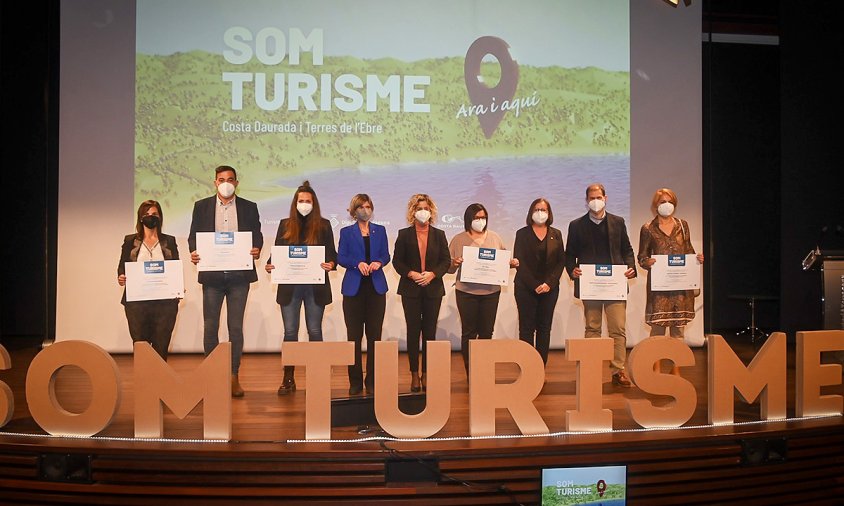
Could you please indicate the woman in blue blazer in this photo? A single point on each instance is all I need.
(363, 252)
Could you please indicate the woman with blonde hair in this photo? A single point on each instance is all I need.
(421, 258)
(666, 235)
(363, 252)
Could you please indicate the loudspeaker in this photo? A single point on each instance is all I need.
(360, 409)
(65, 467)
(759, 451)
(408, 470)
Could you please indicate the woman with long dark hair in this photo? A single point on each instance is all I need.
(304, 226)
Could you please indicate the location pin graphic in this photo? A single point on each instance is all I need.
(601, 486)
(482, 95)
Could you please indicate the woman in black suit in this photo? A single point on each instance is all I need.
(149, 320)
(541, 256)
(421, 258)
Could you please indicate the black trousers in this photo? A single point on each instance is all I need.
(477, 319)
(535, 315)
(152, 321)
(420, 315)
(364, 313)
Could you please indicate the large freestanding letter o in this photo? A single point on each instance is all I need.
(41, 388)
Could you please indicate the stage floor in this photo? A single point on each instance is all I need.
(268, 429)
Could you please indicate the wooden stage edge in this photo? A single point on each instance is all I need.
(782, 462)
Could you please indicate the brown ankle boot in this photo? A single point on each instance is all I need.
(414, 382)
(288, 384)
(236, 390)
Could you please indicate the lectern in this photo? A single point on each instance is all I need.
(831, 265)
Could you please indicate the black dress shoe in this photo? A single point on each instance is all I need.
(354, 390)
(287, 386)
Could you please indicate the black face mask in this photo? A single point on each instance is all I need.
(150, 221)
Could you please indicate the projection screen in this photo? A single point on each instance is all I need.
(469, 101)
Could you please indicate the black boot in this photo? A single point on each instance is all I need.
(288, 384)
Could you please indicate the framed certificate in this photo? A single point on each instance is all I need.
(298, 265)
(486, 266)
(675, 272)
(603, 282)
(154, 280)
(224, 251)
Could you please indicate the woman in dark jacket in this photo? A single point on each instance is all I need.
(149, 320)
(421, 258)
(305, 226)
(541, 255)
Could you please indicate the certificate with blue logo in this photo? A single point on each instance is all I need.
(154, 280)
(486, 266)
(675, 272)
(224, 251)
(603, 282)
(298, 265)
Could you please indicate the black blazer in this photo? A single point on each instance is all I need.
(528, 272)
(406, 258)
(581, 250)
(247, 221)
(322, 293)
(131, 246)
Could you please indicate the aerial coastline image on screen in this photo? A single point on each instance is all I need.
(383, 98)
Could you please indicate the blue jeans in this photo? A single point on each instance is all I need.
(313, 314)
(235, 293)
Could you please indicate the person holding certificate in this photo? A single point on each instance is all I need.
(477, 303)
(541, 257)
(421, 258)
(363, 252)
(600, 238)
(666, 235)
(223, 218)
(149, 320)
(304, 227)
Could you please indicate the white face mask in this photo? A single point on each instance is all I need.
(422, 215)
(539, 217)
(665, 209)
(304, 208)
(597, 205)
(225, 190)
(478, 225)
